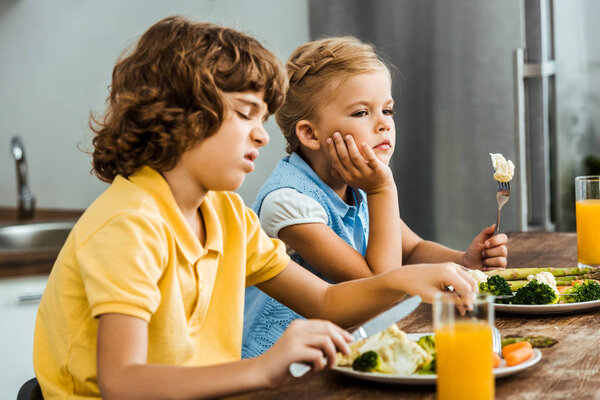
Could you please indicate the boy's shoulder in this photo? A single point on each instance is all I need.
(120, 200)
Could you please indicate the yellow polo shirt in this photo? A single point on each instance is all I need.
(133, 253)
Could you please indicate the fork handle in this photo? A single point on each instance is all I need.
(497, 229)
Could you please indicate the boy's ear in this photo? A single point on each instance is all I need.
(305, 131)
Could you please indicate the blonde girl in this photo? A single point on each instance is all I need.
(333, 199)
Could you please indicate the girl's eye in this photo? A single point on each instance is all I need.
(389, 111)
(359, 114)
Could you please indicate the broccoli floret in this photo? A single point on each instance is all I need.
(587, 291)
(535, 293)
(367, 362)
(427, 343)
(496, 286)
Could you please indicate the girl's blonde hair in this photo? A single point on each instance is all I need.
(315, 71)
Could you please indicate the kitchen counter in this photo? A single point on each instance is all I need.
(568, 370)
(26, 263)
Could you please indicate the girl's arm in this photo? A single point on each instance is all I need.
(123, 372)
(375, 178)
(415, 250)
(353, 302)
(485, 251)
(326, 251)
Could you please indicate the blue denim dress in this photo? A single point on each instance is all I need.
(265, 318)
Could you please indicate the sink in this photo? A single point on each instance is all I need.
(34, 237)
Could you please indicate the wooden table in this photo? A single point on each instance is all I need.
(569, 370)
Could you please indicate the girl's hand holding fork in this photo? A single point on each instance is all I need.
(486, 251)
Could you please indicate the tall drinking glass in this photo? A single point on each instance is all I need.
(463, 342)
(587, 210)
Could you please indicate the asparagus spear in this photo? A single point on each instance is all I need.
(560, 281)
(516, 285)
(536, 341)
(566, 280)
(522, 273)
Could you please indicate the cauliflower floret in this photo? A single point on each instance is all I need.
(398, 354)
(478, 276)
(381, 339)
(404, 357)
(504, 169)
(545, 277)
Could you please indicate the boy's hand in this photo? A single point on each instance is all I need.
(314, 342)
(370, 174)
(426, 280)
(486, 251)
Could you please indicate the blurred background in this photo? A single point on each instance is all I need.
(517, 77)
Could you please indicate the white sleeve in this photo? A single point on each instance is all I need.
(285, 207)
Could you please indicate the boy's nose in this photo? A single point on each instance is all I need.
(260, 136)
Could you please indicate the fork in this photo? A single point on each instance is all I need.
(496, 341)
(502, 197)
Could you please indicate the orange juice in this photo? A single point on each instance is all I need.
(588, 231)
(464, 361)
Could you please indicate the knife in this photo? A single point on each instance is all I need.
(369, 328)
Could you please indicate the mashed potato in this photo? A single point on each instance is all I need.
(504, 169)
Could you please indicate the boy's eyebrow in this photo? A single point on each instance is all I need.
(254, 105)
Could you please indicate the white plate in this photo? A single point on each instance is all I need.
(547, 308)
(499, 372)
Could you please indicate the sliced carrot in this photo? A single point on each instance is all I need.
(518, 356)
(509, 348)
(496, 358)
(573, 282)
(562, 289)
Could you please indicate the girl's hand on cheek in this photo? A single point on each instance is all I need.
(370, 174)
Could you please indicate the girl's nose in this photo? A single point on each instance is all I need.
(260, 136)
(384, 125)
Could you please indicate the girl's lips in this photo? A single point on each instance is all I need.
(383, 146)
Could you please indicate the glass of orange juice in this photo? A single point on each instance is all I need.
(463, 342)
(587, 210)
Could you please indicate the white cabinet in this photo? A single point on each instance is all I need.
(19, 300)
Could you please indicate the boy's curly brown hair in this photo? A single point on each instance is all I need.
(167, 93)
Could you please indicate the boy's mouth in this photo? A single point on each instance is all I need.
(251, 155)
(249, 160)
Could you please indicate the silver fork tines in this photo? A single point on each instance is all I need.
(502, 197)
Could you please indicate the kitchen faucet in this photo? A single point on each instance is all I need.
(26, 200)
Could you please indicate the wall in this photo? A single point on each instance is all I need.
(56, 59)
(577, 99)
(454, 104)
